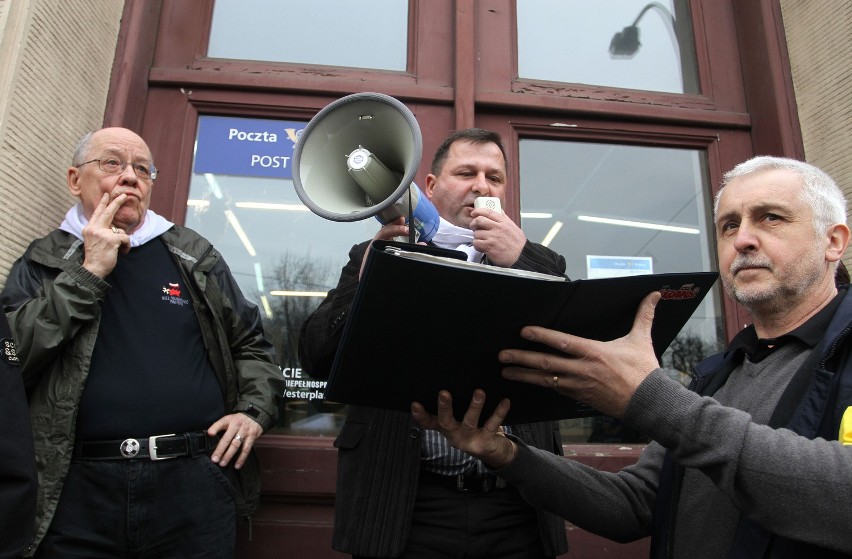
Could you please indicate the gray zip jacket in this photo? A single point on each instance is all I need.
(54, 306)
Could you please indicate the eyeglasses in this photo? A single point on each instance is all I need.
(113, 166)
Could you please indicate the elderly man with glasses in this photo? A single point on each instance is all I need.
(147, 372)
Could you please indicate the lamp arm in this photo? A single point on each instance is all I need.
(670, 28)
(659, 7)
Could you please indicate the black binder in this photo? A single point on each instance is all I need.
(423, 320)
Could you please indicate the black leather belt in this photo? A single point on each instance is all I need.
(157, 447)
(470, 482)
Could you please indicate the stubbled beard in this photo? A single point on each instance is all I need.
(780, 294)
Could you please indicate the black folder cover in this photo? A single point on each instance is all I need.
(418, 326)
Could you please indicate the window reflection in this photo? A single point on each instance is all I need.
(615, 210)
(605, 207)
(369, 34)
(627, 44)
(284, 257)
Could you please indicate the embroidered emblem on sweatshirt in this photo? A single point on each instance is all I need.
(8, 353)
(171, 294)
(845, 435)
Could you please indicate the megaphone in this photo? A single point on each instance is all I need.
(357, 158)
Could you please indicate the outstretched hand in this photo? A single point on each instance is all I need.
(604, 375)
(487, 443)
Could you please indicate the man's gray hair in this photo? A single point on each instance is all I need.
(821, 193)
(81, 149)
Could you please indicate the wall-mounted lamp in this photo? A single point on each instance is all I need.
(626, 42)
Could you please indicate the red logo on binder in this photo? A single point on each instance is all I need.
(686, 291)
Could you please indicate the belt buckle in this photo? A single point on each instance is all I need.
(129, 448)
(460, 483)
(152, 447)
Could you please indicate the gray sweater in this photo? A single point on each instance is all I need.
(793, 486)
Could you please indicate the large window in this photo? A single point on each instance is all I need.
(615, 210)
(284, 257)
(327, 32)
(626, 45)
(610, 209)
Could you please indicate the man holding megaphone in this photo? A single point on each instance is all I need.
(403, 491)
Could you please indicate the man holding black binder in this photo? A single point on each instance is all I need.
(415, 495)
(756, 459)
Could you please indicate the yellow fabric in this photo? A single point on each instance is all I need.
(845, 435)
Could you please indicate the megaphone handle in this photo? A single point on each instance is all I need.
(412, 230)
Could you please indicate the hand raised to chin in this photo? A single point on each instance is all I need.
(101, 241)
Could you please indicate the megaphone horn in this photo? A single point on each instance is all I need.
(357, 158)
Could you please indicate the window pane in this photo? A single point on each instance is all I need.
(570, 41)
(644, 210)
(283, 257)
(369, 34)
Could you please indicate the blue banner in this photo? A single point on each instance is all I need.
(246, 146)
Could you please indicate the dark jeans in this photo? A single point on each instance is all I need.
(497, 524)
(183, 507)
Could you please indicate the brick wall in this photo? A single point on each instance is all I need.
(54, 78)
(820, 47)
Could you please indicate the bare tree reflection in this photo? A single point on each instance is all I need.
(300, 273)
(684, 353)
(286, 313)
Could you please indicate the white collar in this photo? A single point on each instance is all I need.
(152, 226)
(456, 238)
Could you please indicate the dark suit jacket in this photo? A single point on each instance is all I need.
(17, 458)
(379, 450)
